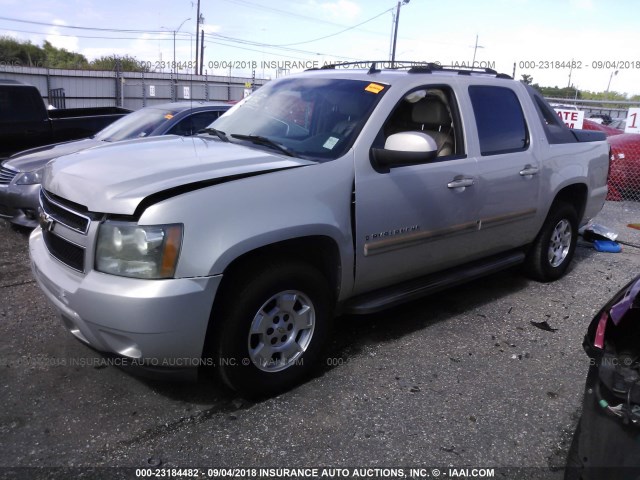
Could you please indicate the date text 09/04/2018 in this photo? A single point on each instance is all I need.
(579, 64)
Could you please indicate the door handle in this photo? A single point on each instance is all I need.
(528, 170)
(460, 183)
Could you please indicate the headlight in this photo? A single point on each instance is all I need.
(30, 178)
(130, 250)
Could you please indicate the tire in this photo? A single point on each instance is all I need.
(272, 328)
(575, 466)
(553, 248)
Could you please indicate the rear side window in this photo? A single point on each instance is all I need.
(554, 128)
(499, 118)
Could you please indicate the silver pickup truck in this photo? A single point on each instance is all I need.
(332, 191)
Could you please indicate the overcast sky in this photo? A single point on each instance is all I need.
(595, 34)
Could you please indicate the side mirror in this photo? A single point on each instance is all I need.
(402, 149)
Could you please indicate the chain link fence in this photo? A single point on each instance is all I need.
(624, 171)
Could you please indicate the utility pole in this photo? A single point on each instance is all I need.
(175, 31)
(475, 49)
(395, 32)
(201, 50)
(197, 32)
(393, 24)
(611, 78)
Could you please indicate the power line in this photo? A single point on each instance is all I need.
(75, 27)
(252, 49)
(246, 3)
(170, 39)
(337, 33)
(262, 45)
(224, 38)
(276, 54)
(116, 30)
(55, 34)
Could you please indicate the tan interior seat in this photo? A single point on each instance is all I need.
(350, 112)
(434, 119)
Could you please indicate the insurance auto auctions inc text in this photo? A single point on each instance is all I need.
(387, 473)
(315, 64)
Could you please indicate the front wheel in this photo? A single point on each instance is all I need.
(273, 328)
(553, 248)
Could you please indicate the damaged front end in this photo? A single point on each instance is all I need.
(607, 441)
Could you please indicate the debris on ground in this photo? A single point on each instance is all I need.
(607, 246)
(595, 231)
(544, 326)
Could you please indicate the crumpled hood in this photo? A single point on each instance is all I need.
(34, 158)
(116, 178)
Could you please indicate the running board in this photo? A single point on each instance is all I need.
(414, 289)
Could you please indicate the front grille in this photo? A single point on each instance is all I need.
(64, 215)
(68, 253)
(6, 175)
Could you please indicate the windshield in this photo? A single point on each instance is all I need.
(307, 117)
(138, 124)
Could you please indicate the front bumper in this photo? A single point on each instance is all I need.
(156, 323)
(19, 204)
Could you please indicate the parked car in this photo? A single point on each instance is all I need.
(25, 121)
(624, 175)
(20, 176)
(605, 444)
(564, 106)
(334, 190)
(619, 123)
(603, 118)
(609, 131)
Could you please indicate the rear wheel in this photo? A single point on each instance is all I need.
(553, 248)
(273, 327)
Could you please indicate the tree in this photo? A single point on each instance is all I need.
(17, 53)
(62, 58)
(557, 92)
(527, 79)
(127, 64)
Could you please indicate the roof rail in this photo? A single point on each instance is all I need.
(372, 64)
(375, 66)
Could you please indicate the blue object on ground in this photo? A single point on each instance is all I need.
(607, 246)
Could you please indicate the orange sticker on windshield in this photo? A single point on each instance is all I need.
(374, 88)
(168, 116)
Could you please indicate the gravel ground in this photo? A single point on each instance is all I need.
(461, 379)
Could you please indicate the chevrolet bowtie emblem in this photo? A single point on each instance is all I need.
(46, 221)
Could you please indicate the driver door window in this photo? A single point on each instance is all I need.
(432, 111)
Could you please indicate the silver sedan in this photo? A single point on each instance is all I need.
(21, 174)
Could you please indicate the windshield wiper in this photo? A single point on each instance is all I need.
(260, 140)
(221, 135)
